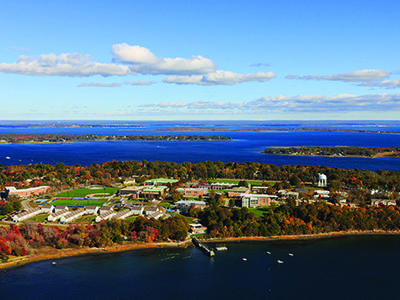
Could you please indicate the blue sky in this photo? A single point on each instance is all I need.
(203, 60)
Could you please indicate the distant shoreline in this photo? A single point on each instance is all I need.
(52, 254)
(334, 151)
(71, 138)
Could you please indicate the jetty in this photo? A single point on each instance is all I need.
(203, 247)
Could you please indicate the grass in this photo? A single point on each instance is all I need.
(132, 218)
(165, 204)
(236, 181)
(107, 191)
(260, 211)
(86, 219)
(78, 202)
(39, 218)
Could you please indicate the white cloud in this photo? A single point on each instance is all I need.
(220, 78)
(19, 49)
(139, 82)
(355, 76)
(134, 54)
(143, 61)
(67, 64)
(285, 104)
(260, 65)
(99, 84)
(388, 84)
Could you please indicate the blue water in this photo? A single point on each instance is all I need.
(246, 146)
(364, 267)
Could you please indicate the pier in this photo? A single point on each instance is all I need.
(203, 247)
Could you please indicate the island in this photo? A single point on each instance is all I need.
(65, 138)
(338, 151)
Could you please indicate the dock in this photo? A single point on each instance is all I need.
(203, 247)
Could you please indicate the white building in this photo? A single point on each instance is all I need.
(27, 214)
(72, 215)
(105, 216)
(47, 209)
(151, 210)
(123, 214)
(137, 210)
(91, 210)
(57, 215)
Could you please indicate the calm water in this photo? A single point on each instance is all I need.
(246, 146)
(363, 267)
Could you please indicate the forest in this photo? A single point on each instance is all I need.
(23, 239)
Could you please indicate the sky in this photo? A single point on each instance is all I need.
(200, 60)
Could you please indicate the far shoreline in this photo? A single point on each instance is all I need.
(47, 254)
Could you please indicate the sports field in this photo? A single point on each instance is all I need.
(95, 191)
(79, 202)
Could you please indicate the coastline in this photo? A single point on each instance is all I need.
(48, 253)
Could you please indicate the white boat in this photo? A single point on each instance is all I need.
(268, 252)
(7, 157)
(244, 258)
(291, 254)
(280, 261)
(221, 248)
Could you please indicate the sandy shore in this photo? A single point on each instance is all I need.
(48, 253)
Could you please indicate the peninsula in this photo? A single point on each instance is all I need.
(339, 151)
(65, 138)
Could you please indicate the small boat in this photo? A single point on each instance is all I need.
(221, 248)
(280, 261)
(291, 254)
(7, 157)
(53, 263)
(268, 252)
(244, 258)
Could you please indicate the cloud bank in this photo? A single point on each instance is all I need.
(355, 76)
(220, 78)
(387, 84)
(67, 64)
(99, 84)
(143, 61)
(286, 104)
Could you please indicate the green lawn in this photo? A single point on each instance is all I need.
(39, 218)
(86, 219)
(131, 219)
(165, 204)
(260, 211)
(101, 191)
(236, 181)
(78, 202)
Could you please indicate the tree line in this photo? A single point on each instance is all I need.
(61, 176)
(289, 219)
(337, 151)
(20, 240)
